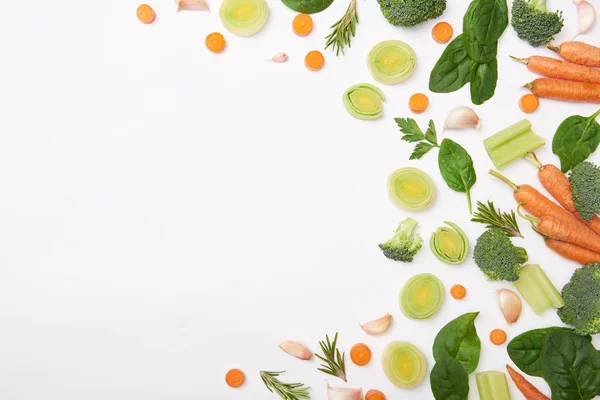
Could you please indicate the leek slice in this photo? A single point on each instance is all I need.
(404, 364)
(364, 101)
(391, 61)
(411, 189)
(422, 296)
(537, 290)
(450, 245)
(244, 17)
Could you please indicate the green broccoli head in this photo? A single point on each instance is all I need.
(497, 257)
(403, 246)
(534, 23)
(585, 184)
(411, 12)
(582, 300)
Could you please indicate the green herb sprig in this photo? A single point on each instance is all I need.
(412, 133)
(343, 30)
(494, 218)
(287, 391)
(333, 360)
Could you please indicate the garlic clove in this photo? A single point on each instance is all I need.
(586, 15)
(343, 393)
(510, 305)
(462, 117)
(296, 349)
(378, 326)
(195, 5)
(279, 57)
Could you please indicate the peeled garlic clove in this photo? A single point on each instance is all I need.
(378, 326)
(197, 5)
(280, 57)
(510, 305)
(586, 15)
(296, 349)
(343, 393)
(462, 117)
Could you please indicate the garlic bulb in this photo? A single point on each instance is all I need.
(462, 117)
(586, 15)
(343, 393)
(378, 326)
(296, 349)
(198, 5)
(510, 305)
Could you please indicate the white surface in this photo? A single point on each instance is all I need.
(168, 213)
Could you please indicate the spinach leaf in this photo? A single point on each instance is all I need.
(456, 167)
(451, 72)
(525, 350)
(571, 366)
(483, 81)
(307, 6)
(449, 380)
(484, 23)
(459, 340)
(575, 139)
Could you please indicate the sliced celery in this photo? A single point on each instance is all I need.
(537, 290)
(492, 385)
(512, 143)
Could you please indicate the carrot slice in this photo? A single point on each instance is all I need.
(360, 354)
(374, 395)
(498, 336)
(235, 378)
(442, 32)
(528, 103)
(458, 292)
(418, 103)
(146, 14)
(314, 60)
(215, 42)
(302, 24)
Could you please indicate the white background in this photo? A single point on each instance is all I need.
(168, 213)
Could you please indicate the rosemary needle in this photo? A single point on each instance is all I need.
(333, 360)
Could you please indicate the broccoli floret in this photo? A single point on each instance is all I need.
(534, 23)
(585, 184)
(411, 12)
(403, 246)
(497, 257)
(582, 300)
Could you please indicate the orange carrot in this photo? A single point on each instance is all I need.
(314, 60)
(302, 24)
(529, 391)
(565, 90)
(418, 103)
(573, 252)
(565, 231)
(578, 53)
(528, 103)
(235, 378)
(215, 42)
(360, 354)
(442, 32)
(458, 292)
(497, 336)
(553, 68)
(374, 395)
(146, 14)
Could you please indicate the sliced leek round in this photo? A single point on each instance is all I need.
(391, 61)
(422, 296)
(411, 189)
(364, 101)
(244, 17)
(450, 244)
(404, 364)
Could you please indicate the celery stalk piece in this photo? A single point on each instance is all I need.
(537, 290)
(492, 385)
(512, 143)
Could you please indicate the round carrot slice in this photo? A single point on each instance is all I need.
(418, 103)
(374, 395)
(498, 336)
(146, 14)
(314, 60)
(529, 103)
(360, 354)
(215, 42)
(302, 24)
(442, 32)
(235, 378)
(458, 292)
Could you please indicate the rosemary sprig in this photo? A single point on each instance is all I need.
(487, 214)
(333, 360)
(343, 30)
(287, 391)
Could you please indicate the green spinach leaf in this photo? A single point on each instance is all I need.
(459, 340)
(449, 380)
(456, 167)
(525, 350)
(575, 139)
(451, 72)
(571, 366)
(483, 81)
(307, 6)
(483, 24)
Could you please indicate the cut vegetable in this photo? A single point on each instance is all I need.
(492, 385)
(374, 394)
(314, 60)
(442, 32)
(411, 189)
(364, 101)
(450, 245)
(391, 61)
(512, 143)
(146, 14)
(215, 42)
(302, 24)
(498, 337)
(404, 364)
(458, 292)
(537, 290)
(422, 296)
(235, 378)
(360, 354)
(244, 17)
(529, 103)
(418, 103)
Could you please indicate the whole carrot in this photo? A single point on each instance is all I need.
(529, 391)
(573, 252)
(565, 90)
(563, 230)
(578, 53)
(553, 68)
